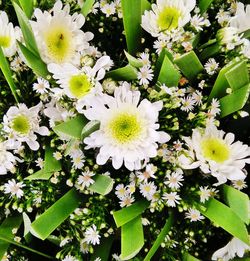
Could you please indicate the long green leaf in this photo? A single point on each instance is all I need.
(27, 6)
(126, 73)
(89, 128)
(103, 250)
(189, 64)
(160, 237)
(127, 214)
(226, 218)
(238, 202)
(103, 184)
(87, 5)
(210, 51)
(71, 128)
(204, 5)
(133, 61)
(187, 257)
(160, 60)
(6, 230)
(45, 224)
(132, 238)
(5, 68)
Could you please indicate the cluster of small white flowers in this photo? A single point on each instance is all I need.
(206, 193)
(125, 194)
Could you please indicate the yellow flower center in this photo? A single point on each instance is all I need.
(59, 44)
(215, 149)
(168, 18)
(4, 41)
(21, 124)
(79, 85)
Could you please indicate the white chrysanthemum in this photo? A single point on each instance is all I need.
(241, 19)
(92, 235)
(21, 124)
(128, 129)
(217, 154)
(7, 35)
(14, 188)
(167, 15)
(58, 36)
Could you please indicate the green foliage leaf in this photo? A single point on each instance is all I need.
(238, 202)
(168, 73)
(103, 184)
(133, 61)
(103, 250)
(189, 64)
(45, 224)
(160, 237)
(210, 51)
(204, 5)
(126, 73)
(27, 6)
(132, 238)
(90, 127)
(5, 68)
(127, 214)
(187, 257)
(71, 128)
(226, 218)
(87, 5)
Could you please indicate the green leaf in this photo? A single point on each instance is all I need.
(28, 35)
(90, 127)
(187, 257)
(27, 6)
(71, 128)
(204, 5)
(160, 237)
(132, 238)
(133, 61)
(127, 214)
(160, 61)
(34, 62)
(238, 202)
(210, 51)
(87, 5)
(226, 218)
(5, 68)
(247, 34)
(46, 223)
(189, 64)
(54, 239)
(126, 73)
(103, 250)
(6, 230)
(168, 73)
(103, 184)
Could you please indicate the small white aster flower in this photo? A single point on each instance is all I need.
(70, 258)
(65, 241)
(14, 188)
(215, 107)
(18, 65)
(108, 9)
(206, 193)
(144, 58)
(92, 235)
(127, 201)
(174, 180)
(148, 173)
(188, 103)
(57, 155)
(121, 191)
(42, 86)
(78, 160)
(198, 22)
(223, 17)
(193, 215)
(201, 84)
(197, 96)
(211, 66)
(128, 131)
(148, 189)
(172, 199)
(39, 163)
(239, 184)
(84, 247)
(145, 75)
(85, 179)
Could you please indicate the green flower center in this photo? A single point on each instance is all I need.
(215, 149)
(168, 18)
(58, 42)
(21, 124)
(125, 127)
(4, 41)
(79, 85)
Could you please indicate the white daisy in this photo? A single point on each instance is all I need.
(121, 191)
(174, 180)
(239, 184)
(148, 173)
(85, 179)
(145, 75)
(21, 124)
(198, 22)
(108, 9)
(57, 155)
(144, 58)
(217, 154)
(14, 188)
(188, 103)
(215, 107)
(39, 163)
(167, 15)
(206, 193)
(172, 198)
(211, 66)
(128, 131)
(42, 86)
(78, 160)
(148, 189)
(92, 235)
(241, 19)
(229, 37)
(58, 36)
(193, 215)
(126, 201)
(70, 258)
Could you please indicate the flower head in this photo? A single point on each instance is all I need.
(92, 235)
(194, 215)
(14, 188)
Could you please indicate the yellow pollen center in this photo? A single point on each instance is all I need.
(168, 18)
(215, 149)
(21, 124)
(79, 85)
(4, 41)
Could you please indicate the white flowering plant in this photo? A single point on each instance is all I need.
(124, 130)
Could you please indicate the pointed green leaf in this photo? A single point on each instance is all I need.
(210, 51)
(226, 218)
(187, 257)
(71, 128)
(189, 64)
(87, 5)
(132, 238)
(5, 68)
(103, 184)
(160, 237)
(204, 5)
(125, 215)
(90, 127)
(27, 6)
(126, 73)
(133, 61)
(238, 202)
(168, 73)
(103, 250)
(6, 230)
(46, 223)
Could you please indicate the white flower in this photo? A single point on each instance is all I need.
(223, 17)
(58, 36)
(85, 180)
(245, 48)
(121, 191)
(229, 36)
(92, 235)
(197, 97)
(198, 22)
(148, 173)
(39, 163)
(167, 15)
(171, 198)
(211, 66)
(241, 19)
(217, 154)
(65, 241)
(108, 9)
(127, 201)
(206, 193)
(215, 107)
(7, 35)
(57, 155)
(194, 215)
(21, 124)
(174, 180)
(239, 184)
(13, 188)
(78, 160)
(144, 58)
(235, 247)
(145, 75)
(128, 132)
(188, 103)
(70, 258)
(42, 86)
(148, 189)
